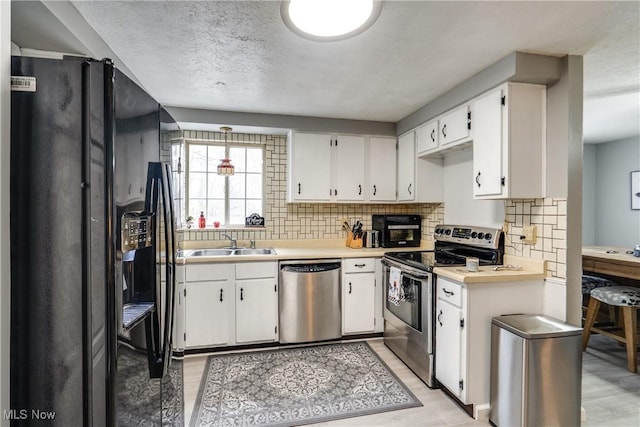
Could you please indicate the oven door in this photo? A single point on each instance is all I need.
(407, 309)
(408, 326)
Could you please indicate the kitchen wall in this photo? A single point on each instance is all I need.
(459, 205)
(286, 221)
(550, 218)
(607, 216)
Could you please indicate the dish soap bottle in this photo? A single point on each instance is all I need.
(202, 222)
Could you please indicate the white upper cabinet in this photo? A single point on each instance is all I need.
(427, 137)
(310, 167)
(455, 126)
(349, 182)
(341, 168)
(406, 167)
(382, 169)
(508, 142)
(419, 180)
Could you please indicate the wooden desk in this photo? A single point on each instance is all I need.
(611, 261)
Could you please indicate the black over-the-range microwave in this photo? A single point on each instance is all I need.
(398, 230)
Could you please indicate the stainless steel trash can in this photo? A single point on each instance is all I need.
(536, 371)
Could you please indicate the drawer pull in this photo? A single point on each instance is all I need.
(359, 265)
(448, 293)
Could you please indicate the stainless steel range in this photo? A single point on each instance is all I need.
(410, 289)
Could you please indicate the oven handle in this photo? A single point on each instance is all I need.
(407, 271)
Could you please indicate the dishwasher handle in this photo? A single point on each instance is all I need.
(311, 267)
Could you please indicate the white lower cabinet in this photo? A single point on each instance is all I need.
(256, 310)
(209, 309)
(449, 332)
(229, 304)
(208, 305)
(358, 295)
(463, 332)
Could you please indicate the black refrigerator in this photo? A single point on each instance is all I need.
(92, 249)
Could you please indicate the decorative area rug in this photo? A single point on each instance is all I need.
(297, 386)
(142, 401)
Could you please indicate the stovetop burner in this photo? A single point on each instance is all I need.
(450, 252)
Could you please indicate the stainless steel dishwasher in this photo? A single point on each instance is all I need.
(309, 301)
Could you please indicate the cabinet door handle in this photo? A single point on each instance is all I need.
(409, 188)
(350, 287)
(220, 295)
(359, 189)
(299, 188)
(374, 190)
(447, 293)
(440, 317)
(433, 135)
(335, 192)
(444, 130)
(241, 294)
(478, 179)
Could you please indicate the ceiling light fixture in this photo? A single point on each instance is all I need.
(329, 20)
(225, 167)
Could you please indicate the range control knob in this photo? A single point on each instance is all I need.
(481, 235)
(474, 235)
(487, 236)
(447, 232)
(438, 231)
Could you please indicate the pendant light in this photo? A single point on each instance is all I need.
(225, 167)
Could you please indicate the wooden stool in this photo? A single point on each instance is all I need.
(590, 283)
(628, 299)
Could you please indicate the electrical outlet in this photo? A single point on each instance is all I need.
(529, 232)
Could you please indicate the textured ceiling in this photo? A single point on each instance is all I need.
(239, 56)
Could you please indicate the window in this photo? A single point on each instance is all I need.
(226, 199)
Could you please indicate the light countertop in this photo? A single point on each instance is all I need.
(335, 248)
(531, 270)
(610, 253)
(612, 261)
(297, 249)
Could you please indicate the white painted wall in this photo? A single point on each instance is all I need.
(554, 300)
(459, 205)
(5, 278)
(589, 194)
(615, 224)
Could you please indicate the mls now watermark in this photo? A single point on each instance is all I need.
(25, 414)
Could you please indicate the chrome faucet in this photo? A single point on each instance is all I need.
(234, 242)
(252, 244)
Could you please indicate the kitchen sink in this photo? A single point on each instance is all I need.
(254, 251)
(209, 252)
(228, 252)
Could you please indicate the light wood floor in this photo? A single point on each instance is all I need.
(610, 393)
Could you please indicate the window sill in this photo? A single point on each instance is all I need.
(230, 228)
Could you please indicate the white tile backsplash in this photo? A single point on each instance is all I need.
(287, 221)
(550, 218)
